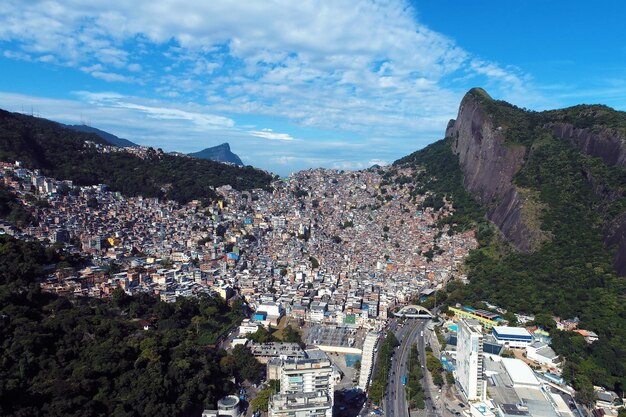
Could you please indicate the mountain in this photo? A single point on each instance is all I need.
(501, 149)
(546, 194)
(221, 153)
(110, 138)
(62, 153)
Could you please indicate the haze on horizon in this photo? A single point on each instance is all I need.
(296, 85)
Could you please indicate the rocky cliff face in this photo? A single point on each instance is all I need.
(615, 234)
(220, 153)
(489, 167)
(611, 148)
(602, 143)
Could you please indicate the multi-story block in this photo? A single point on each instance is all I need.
(306, 389)
(469, 372)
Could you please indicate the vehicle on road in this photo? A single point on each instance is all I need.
(403, 379)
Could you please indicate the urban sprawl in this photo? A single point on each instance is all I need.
(336, 252)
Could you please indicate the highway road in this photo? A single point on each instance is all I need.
(395, 404)
(429, 391)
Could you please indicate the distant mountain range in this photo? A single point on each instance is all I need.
(112, 139)
(61, 152)
(220, 153)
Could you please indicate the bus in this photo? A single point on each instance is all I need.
(403, 379)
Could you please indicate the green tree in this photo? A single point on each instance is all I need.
(291, 335)
(247, 367)
(120, 299)
(261, 401)
(261, 336)
(449, 378)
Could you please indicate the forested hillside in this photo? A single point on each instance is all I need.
(60, 153)
(11, 210)
(571, 198)
(87, 357)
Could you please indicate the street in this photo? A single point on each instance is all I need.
(395, 404)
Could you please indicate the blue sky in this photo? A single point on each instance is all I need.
(294, 85)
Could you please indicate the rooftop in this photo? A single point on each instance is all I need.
(228, 401)
(512, 331)
(520, 373)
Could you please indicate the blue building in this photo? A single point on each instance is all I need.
(513, 337)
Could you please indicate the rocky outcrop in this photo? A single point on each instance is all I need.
(615, 234)
(220, 153)
(601, 142)
(611, 148)
(488, 167)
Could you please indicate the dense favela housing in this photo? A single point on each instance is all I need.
(334, 254)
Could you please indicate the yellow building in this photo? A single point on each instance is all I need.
(486, 318)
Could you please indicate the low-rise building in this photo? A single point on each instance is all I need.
(266, 351)
(226, 407)
(542, 353)
(512, 337)
(247, 327)
(367, 360)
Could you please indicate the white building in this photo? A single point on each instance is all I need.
(306, 389)
(247, 327)
(271, 309)
(228, 406)
(304, 404)
(512, 337)
(542, 353)
(317, 311)
(367, 360)
(469, 357)
(306, 375)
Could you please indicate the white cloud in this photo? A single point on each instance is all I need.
(361, 68)
(159, 111)
(377, 162)
(134, 67)
(153, 123)
(110, 76)
(203, 120)
(271, 135)
(17, 55)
